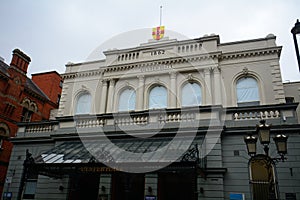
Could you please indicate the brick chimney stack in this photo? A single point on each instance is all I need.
(20, 60)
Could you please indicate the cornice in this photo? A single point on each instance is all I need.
(141, 64)
(251, 53)
(163, 61)
(176, 60)
(74, 75)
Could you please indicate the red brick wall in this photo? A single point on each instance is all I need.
(12, 93)
(49, 82)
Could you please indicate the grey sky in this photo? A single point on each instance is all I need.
(55, 32)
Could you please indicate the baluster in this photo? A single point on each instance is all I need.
(271, 114)
(277, 113)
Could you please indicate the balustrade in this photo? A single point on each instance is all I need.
(245, 115)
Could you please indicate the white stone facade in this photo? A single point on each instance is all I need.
(213, 65)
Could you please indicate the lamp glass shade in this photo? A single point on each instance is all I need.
(281, 143)
(264, 134)
(296, 29)
(251, 144)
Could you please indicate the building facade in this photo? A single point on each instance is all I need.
(163, 120)
(21, 99)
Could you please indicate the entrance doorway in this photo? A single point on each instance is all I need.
(84, 186)
(176, 186)
(263, 178)
(128, 186)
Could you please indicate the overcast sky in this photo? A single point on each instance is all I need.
(55, 32)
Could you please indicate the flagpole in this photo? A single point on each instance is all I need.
(160, 16)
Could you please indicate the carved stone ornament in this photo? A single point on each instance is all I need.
(245, 71)
(190, 77)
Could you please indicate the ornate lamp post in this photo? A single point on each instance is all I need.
(264, 186)
(296, 31)
(263, 131)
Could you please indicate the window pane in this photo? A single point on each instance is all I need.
(29, 190)
(83, 104)
(127, 100)
(191, 94)
(158, 97)
(30, 187)
(247, 90)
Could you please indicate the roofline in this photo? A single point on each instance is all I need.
(42, 73)
(290, 82)
(70, 64)
(268, 37)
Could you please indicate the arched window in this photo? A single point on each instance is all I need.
(127, 100)
(191, 94)
(83, 105)
(158, 97)
(247, 92)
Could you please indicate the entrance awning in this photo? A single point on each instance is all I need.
(90, 156)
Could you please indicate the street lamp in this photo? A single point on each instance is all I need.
(281, 143)
(263, 131)
(251, 144)
(296, 31)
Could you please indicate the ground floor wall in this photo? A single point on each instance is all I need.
(226, 173)
(236, 160)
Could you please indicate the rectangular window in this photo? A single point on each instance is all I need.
(30, 187)
(289, 99)
(250, 103)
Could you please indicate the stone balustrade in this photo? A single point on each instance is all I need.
(89, 123)
(36, 128)
(131, 120)
(256, 115)
(177, 117)
(160, 116)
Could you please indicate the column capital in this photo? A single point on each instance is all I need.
(141, 77)
(216, 69)
(104, 82)
(112, 82)
(207, 71)
(173, 74)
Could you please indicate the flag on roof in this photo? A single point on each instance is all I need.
(158, 32)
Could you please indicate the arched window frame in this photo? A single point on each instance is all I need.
(151, 105)
(88, 105)
(195, 102)
(249, 101)
(131, 101)
(260, 185)
(29, 107)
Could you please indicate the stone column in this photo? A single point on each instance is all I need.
(110, 97)
(208, 92)
(103, 97)
(140, 93)
(172, 90)
(217, 86)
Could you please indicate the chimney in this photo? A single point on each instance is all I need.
(20, 60)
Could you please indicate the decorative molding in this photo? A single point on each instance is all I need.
(189, 77)
(251, 53)
(245, 71)
(174, 60)
(74, 75)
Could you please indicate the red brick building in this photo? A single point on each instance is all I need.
(23, 100)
